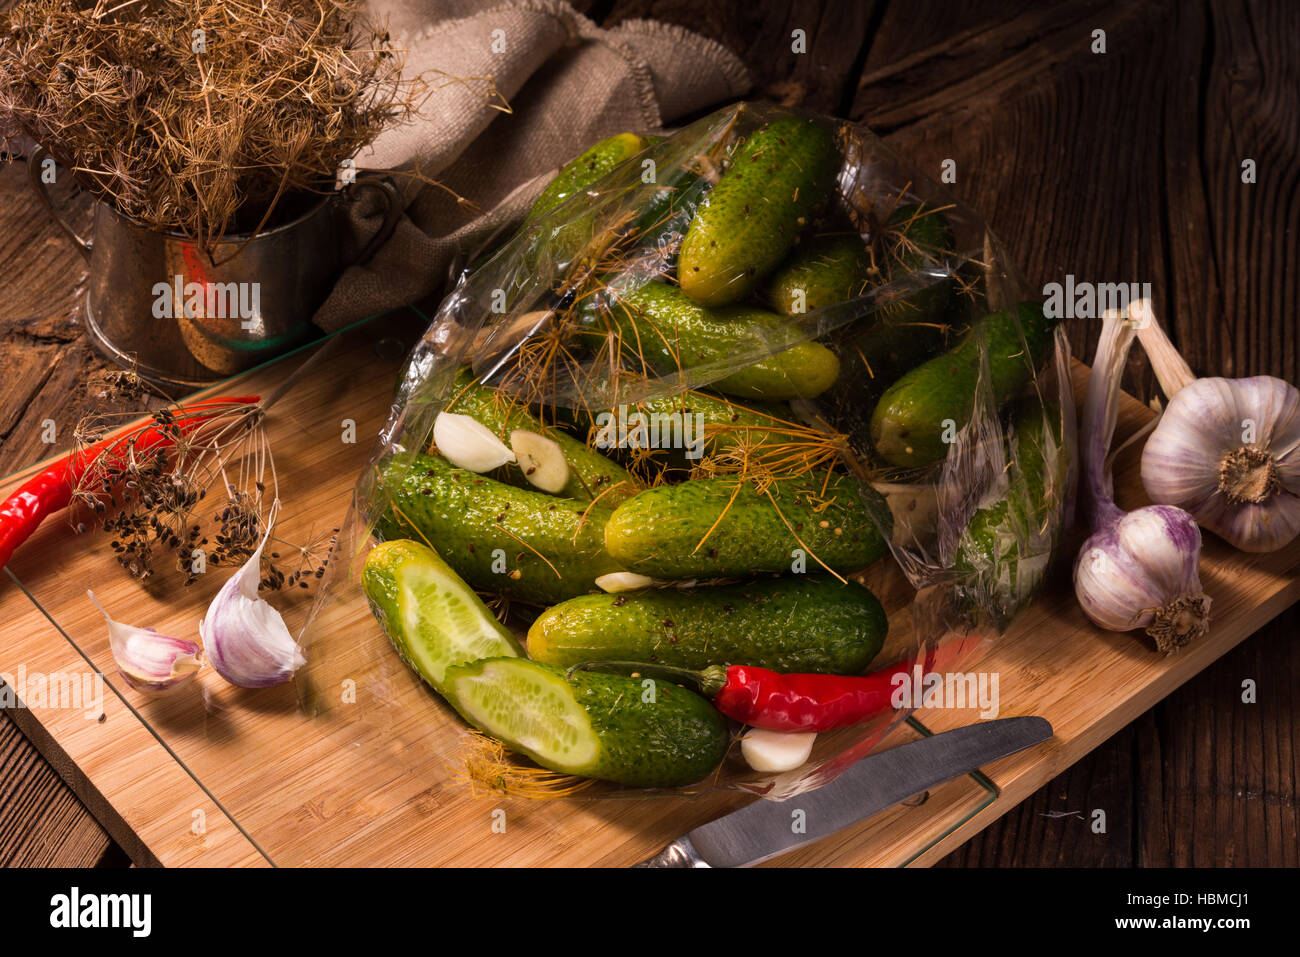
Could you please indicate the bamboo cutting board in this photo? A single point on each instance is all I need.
(214, 775)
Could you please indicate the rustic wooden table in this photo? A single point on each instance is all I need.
(1116, 166)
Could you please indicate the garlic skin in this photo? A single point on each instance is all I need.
(246, 639)
(467, 443)
(1143, 571)
(1138, 569)
(147, 660)
(1228, 451)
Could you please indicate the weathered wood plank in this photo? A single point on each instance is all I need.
(42, 824)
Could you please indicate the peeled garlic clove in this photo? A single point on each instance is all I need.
(776, 750)
(246, 639)
(542, 460)
(467, 443)
(150, 661)
(623, 581)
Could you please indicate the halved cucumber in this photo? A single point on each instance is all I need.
(431, 616)
(630, 731)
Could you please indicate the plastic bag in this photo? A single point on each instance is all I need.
(555, 320)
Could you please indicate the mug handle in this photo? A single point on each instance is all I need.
(34, 177)
(392, 213)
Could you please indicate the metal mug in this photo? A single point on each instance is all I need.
(182, 315)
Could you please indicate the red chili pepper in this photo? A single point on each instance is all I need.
(798, 702)
(51, 490)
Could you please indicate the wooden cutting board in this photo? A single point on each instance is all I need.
(358, 764)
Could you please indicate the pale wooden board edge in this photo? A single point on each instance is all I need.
(886, 840)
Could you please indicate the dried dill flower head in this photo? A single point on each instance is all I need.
(200, 117)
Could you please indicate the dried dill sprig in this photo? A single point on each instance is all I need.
(202, 116)
(153, 498)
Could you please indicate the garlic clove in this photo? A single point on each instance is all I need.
(148, 660)
(623, 581)
(776, 751)
(245, 637)
(541, 459)
(467, 443)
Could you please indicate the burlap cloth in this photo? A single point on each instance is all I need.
(568, 83)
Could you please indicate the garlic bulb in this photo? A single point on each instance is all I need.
(1139, 569)
(1228, 451)
(246, 639)
(1143, 571)
(150, 661)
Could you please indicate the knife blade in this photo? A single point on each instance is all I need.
(764, 829)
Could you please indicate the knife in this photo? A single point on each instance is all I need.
(764, 829)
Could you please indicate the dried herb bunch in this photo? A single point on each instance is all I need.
(152, 496)
(200, 116)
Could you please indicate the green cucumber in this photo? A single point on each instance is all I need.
(591, 475)
(431, 616)
(528, 545)
(825, 271)
(667, 213)
(643, 733)
(932, 401)
(585, 169)
(715, 425)
(662, 326)
(802, 623)
(709, 528)
(917, 238)
(1007, 545)
(754, 214)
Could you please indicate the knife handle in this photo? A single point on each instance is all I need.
(680, 853)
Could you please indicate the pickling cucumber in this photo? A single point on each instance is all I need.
(801, 623)
(529, 545)
(914, 420)
(710, 425)
(709, 528)
(917, 238)
(754, 214)
(1007, 545)
(591, 475)
(643, 733)
(822, 272)
(585, 169)
(662, 326)
(431, 616)
(667, 214)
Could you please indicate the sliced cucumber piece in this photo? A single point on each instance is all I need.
(531, 709)
(432, 617)
(633, 731)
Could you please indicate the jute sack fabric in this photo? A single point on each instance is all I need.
(567, 83)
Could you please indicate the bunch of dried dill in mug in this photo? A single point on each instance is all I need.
(204, 117)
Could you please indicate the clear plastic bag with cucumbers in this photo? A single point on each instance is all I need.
(753, 393)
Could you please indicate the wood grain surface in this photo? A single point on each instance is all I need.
(1122, 166)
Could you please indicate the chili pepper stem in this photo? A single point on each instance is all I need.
(708, 681)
